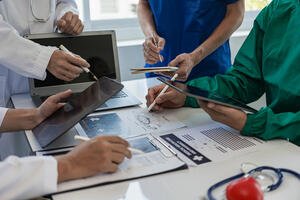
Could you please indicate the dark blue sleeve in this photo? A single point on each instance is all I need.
(230, 1)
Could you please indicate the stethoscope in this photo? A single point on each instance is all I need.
(36, 17)
(256, 173)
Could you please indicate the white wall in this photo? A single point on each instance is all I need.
(131, 54)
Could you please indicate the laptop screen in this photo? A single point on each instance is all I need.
(97, 49)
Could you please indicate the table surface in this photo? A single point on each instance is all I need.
(193, 182)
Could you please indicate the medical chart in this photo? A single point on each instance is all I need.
(210, 143)
(152, 161)
(127, 123)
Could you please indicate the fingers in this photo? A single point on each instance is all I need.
(70, 23)
(153, 93)
(59, 97)
(152, 47)
(78, 61)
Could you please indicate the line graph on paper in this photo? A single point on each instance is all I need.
(141, 120)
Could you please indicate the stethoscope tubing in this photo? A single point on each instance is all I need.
(272, 187)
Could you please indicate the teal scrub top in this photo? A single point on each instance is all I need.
(268, 62)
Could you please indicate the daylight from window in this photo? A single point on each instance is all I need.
(120, 9)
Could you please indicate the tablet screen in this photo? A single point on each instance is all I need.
(76, 107)
(209, 96)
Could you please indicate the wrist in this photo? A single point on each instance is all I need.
(63, 168)
(197, 55)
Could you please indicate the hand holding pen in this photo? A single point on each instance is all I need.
(161, 93)
(152, 47)
(85, 69)
(132, 150)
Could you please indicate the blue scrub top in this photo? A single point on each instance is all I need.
(185, 24)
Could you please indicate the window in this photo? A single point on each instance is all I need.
(121, 16)
(256, 4)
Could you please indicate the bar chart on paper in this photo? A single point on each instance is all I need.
(214, 142)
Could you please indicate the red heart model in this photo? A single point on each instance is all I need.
(246, 188)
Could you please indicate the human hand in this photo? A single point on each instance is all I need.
(170, 99)
(232, 117)
(185, 63)
(52, 104)
(65, 66)
(102, 154)
(70, 24)
(152, 47)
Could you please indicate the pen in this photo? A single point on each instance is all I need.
(63, 48)
(133, 150)
(167, 146)
(161, 93)
(156, 44)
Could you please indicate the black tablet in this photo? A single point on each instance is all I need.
(76, 107)
(208, 96)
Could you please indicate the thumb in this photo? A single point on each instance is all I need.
(161, 43)
(176, 61)
(61, 23)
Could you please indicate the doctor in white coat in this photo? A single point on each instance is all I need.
(23, 178)
(28, 59)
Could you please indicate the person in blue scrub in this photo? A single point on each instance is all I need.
(190, 34)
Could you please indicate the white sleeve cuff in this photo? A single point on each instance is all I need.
(2, 114)
(42, 60)
(29, 177)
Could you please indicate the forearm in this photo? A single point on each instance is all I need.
(20, 119)
(269, 125)
(233, 19)
(146, 18)
(13, 46)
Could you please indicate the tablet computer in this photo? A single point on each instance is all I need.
(77, 106)
(206, 95)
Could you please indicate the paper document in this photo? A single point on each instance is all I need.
(210, 143)
(156, 159)
(127, 123)
(153, 69)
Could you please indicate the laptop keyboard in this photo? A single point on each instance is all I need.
(120, 94)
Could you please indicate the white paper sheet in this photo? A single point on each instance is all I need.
(127, 123)
(153, 161)
(213, 142)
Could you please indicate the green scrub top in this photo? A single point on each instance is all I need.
(268, 62)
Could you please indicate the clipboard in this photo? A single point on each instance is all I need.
(153, 69)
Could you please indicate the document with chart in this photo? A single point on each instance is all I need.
(127, 123)
(156, 159)
(209, 143)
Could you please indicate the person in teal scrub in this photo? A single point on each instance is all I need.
(268, 62)
(190, 34)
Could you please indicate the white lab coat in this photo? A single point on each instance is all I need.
(24, 178)
(18, 55)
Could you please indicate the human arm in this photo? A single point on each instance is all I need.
(30, 59)
(102, 154)
(99, 155)
(232, 20)
(29, 118)
(153, 43)
(67, 17)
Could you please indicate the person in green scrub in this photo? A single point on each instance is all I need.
(268, 62)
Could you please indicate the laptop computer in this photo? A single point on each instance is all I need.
(99, 48)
